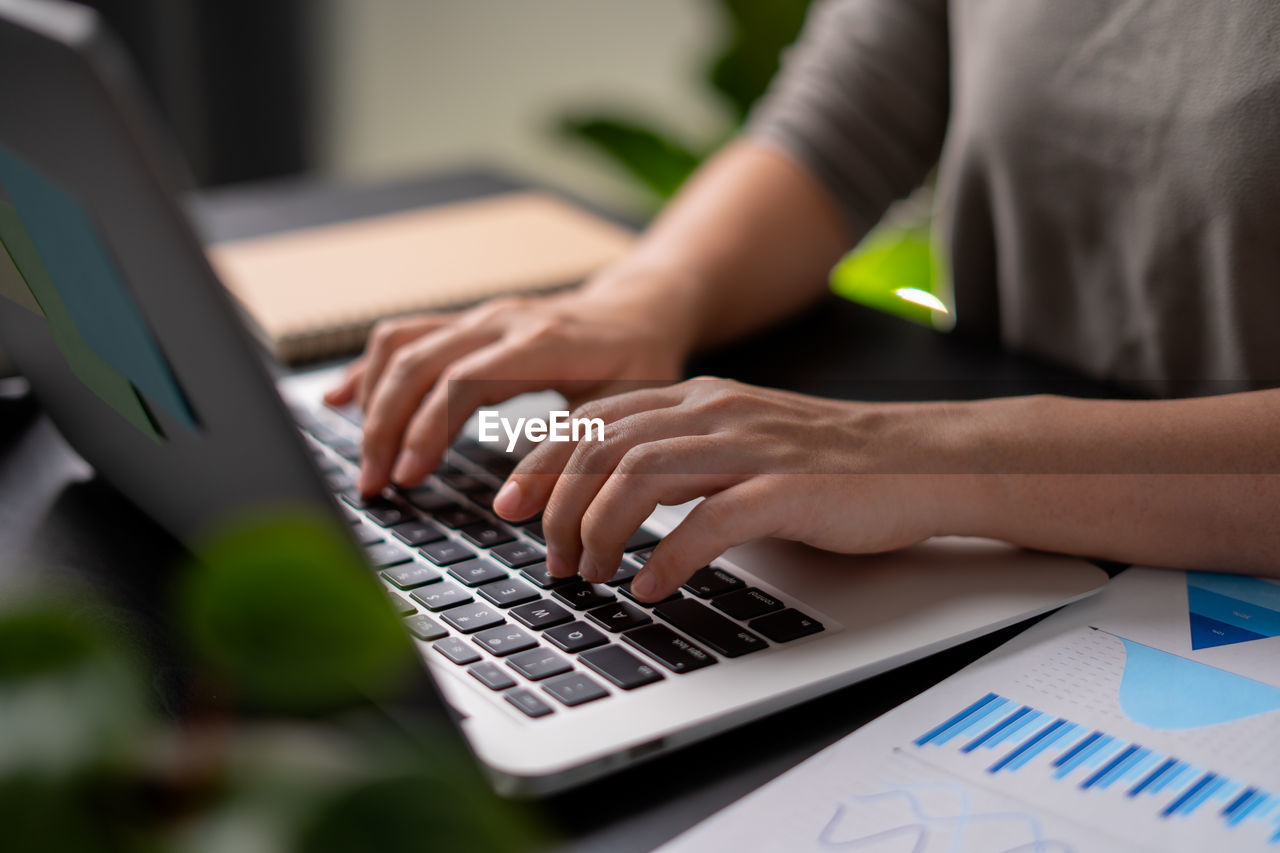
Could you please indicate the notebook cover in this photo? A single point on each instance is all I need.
(316, 292)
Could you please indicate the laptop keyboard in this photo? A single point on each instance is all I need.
(476, 588)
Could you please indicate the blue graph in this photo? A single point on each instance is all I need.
(1019, 736)
(1164, 691)
(1226, 609)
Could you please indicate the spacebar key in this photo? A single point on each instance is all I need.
(721, 634)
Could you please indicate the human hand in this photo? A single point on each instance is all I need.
(421, 377)
(833, 474)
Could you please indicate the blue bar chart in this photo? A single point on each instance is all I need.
(1010, 737)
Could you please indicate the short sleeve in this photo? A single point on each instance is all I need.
(862, 100)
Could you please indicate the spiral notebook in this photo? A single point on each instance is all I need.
(315, 293)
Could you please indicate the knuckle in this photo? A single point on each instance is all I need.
(639, 460)
(595, 534)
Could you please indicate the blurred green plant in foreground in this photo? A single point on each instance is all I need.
(282, 747)
(896, 267)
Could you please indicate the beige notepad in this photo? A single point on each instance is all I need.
(316, 292)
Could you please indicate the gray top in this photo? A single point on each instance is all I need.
(1109, 170)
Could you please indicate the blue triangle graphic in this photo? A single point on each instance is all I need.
(1207, 633)
(1164, 691)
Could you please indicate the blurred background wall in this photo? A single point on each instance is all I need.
(375, 88)
(407, 85)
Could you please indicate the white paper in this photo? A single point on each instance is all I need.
(1144, 718)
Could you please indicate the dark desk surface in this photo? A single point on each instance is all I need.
(55, 515)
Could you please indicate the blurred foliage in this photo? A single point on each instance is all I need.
(282, 749)
(757, 31)
(889, 261)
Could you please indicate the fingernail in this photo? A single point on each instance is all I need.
(556, 566)
(589, 569)
(645, 585)
(507, 501)
(407, 466)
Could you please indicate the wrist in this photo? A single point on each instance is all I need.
(665, 298)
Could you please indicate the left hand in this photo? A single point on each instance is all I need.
(833, 474)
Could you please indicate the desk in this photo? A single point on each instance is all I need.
(56, 515)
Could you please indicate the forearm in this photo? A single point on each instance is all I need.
(750, 239)
(1184, 484)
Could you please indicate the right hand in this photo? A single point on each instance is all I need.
(421, 377)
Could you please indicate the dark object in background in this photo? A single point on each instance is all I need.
(232, 78)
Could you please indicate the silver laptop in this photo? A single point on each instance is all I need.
(109, 308)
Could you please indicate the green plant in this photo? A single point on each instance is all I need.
(282, 748)
(895, 269)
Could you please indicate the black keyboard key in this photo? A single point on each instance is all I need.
(541, 614)
(458, 479)
(527, 702)
(669, 648)
(539, 575)
(721, 634)
(428, 499)
(576, 637)
(620, 667)
(494, 461)
(347, 448)
(787, 625)
(351, 515)
(470, 618)
(415, 533)
(424, 627)
(624, 574)
(486, 535)
(642, 557)
(456, 517)
(537, 664)
(411, 576)
(491, 675)
(447, 552)
(383, 512)
(385, 554)
(581, 595)
(708, 581)
(440, 596)
(507, 592)
(367, 535)
(504, 640)
(747, 603)
(456, 650)
(534, 529)
(625, 589)
(402, 605)
(517, 555)
(640, 539)
(477, 572)
(575, 689)
(483, 497)
(619, 616)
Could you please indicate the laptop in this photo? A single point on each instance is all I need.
(110, 309)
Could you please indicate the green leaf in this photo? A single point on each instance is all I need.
(657, 161)
(758, 32)
(284, 609)
(888, 266)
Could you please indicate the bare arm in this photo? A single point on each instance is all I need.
(1180, 483)
(750, 239)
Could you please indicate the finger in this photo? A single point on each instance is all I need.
(386, 338)
(484, 377)
(345, 391)
(536, 474)
(738, 514)
(590, 463)
(410, 374)
(665, 476)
